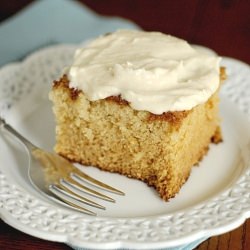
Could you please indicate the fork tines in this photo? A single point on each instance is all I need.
(71, 190)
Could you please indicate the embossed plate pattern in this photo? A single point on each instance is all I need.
(215, 199)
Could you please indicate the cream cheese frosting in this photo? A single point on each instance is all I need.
(152, 71)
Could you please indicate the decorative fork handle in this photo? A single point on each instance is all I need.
(11, 130)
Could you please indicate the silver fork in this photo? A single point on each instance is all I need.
(58, 179)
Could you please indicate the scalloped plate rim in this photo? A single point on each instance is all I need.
(61, 237)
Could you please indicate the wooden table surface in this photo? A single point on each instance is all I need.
(223, 25)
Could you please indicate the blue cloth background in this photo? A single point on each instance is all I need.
(48, 22)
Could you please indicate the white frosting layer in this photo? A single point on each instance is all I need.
(152, 71)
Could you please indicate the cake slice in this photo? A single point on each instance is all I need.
(129, 106)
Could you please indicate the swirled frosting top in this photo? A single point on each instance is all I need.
(152, 71)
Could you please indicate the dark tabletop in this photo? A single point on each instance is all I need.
(222, 25)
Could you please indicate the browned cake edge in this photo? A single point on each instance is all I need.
(171, 117)
(174, 118)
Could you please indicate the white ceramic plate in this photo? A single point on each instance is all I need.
(215, 199)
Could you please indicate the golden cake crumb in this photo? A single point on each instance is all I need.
(157, 149)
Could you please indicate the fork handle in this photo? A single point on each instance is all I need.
(11, 130)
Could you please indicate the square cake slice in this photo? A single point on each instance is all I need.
(153, 126)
